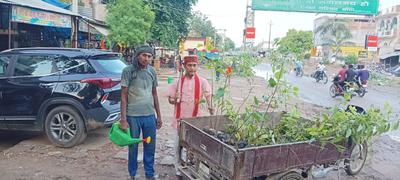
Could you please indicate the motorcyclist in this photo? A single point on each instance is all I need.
(298, 66)
(363, 75)
(320, 70)
(351, 75)
(342, 76)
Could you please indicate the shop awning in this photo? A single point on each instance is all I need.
(385, 56)
(101, 29)
(58, 3)
(38, 4)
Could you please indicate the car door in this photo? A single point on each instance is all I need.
(32, 80)
(5, 62)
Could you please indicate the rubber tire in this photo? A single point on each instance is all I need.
(362, 92)
(317, 78)
(347, 168)
(332, 93)
(326, 78)
(301, 73)
(292, 176)
(80, 126)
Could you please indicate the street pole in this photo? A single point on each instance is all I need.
(215, 39)
(89, 46)
(269, 38)
(9, 25)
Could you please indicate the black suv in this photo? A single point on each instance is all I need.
(62, 92)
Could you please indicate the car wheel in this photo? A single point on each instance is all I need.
(65, 127)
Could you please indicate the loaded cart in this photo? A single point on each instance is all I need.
(203, 156)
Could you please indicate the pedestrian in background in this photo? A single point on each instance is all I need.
(139, 104)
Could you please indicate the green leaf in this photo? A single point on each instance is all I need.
(348, 133)
(272, 82)
(360, 128)
(256, 102)
(257, 116)
(347, 96)
(296, 90)
(220, 93)
(396, 125)
(279, 74)
(202, 101)
(265, 98)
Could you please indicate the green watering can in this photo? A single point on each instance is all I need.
(123, 138)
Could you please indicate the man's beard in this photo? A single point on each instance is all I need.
(190, 74)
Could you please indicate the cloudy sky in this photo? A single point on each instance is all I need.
(230, 14)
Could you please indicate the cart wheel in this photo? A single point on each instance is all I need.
(291, 176)
(357, 159)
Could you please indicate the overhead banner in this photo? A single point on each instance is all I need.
(355, 7)
(39, 17)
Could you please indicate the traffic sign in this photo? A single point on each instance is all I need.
(250, 33)
(371, 43)
(356, 7)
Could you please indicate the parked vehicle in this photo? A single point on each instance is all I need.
(394, 68)
(203, 156)
(62, 92)
(396, 71)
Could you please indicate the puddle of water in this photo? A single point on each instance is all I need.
(263, 70)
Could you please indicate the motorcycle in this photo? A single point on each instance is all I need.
(352, 88)
(320, 76)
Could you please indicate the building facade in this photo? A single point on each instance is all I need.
(388, 30)
(31, 23)
(359, 27)
(55, 23)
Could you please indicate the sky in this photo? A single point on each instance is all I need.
(230, 14)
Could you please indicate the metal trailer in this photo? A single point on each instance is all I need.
(203, 156)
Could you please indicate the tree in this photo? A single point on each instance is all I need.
(129, 22)
(335, 34)
(296, 42)
(171, 20)
(229, 44)
(201, 26)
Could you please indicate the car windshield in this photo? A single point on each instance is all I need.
(112, 64)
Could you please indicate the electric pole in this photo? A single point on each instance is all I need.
(269, 36)
(248, 22)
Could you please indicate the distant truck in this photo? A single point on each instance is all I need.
(192, 45)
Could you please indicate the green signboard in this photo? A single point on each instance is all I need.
(356, 7)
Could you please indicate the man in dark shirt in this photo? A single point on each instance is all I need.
(351, 74)
(363, 74)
